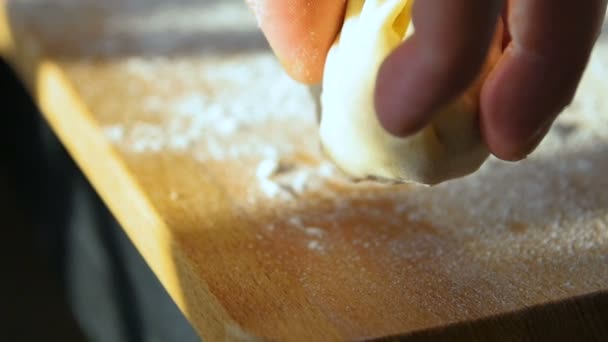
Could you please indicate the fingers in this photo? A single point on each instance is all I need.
(300, 33)
(437, 63)
(539, 71)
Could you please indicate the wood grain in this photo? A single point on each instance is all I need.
(172, 108)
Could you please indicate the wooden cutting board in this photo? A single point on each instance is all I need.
(207, 153)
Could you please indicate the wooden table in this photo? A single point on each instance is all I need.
(208, 156)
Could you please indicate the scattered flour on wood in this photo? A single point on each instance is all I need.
(235, 123)
(315, 245)
(314, 232)
(244, 113)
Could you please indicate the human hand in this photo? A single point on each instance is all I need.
(546, 49)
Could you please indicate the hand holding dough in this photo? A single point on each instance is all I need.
(351, 135)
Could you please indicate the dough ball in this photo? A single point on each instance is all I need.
(351, 135)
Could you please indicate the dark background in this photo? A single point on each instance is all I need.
(69, 271)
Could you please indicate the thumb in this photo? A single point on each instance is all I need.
(300, 32)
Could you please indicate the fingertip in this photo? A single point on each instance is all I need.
(516, 110)
(538, 74)
(300, 33)
(514, 150)
(302, 69)
(399, 93)
(301, 54)
(436, 65)
(416, 80)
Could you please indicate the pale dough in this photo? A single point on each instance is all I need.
(350, 133)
